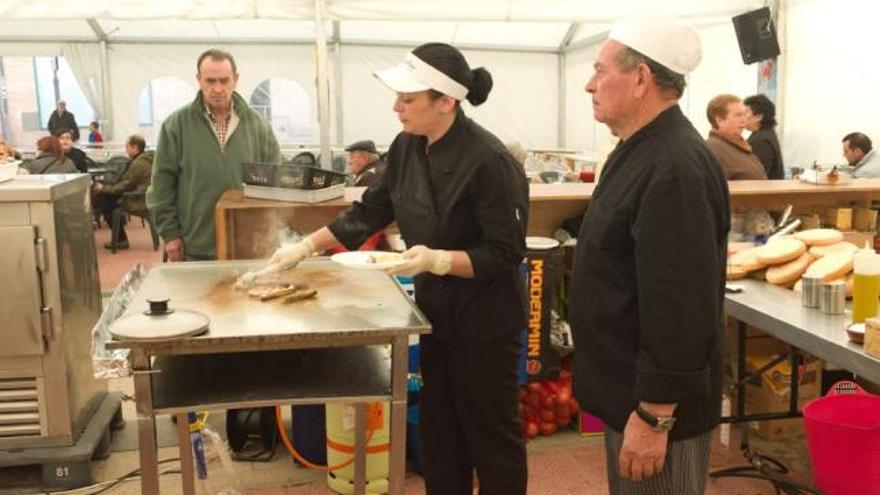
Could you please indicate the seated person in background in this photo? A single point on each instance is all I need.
(50, 158)
(76, 155)
(363, 163)
(136, 178)
(727, 115)
(7, 153)
(760, 120)
(95, 137)
(305, 158)
(861, 156)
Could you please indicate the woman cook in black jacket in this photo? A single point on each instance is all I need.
(461, 201)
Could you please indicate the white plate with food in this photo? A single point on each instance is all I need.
(369, 260)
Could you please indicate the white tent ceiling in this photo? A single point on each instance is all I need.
(541, 51)
(528, 24)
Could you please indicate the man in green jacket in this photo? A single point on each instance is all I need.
(201, 151)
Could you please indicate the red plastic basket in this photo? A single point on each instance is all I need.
(843, 435)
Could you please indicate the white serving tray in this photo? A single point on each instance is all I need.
(295, 195)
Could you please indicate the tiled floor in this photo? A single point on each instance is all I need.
(565, 464)
(111, 267)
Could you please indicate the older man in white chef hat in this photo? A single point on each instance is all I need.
(647, 287)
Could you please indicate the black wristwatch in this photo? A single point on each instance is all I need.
(659, 424)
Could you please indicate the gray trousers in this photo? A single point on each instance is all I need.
(684, 471)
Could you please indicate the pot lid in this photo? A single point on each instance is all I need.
(160, 322)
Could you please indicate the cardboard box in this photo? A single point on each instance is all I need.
(772, 393)
(731, 344)
(838, 218)
(859, 238)
(809, 221)
(872, 337)
(864, 219)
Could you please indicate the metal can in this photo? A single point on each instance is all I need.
(810, 284)
(832, 299)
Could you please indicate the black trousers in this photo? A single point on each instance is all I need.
(106, 203)
(469, 417)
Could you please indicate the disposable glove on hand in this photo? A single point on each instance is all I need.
(420, 259)
(289, 256)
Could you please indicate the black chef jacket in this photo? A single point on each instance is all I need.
(467, 193)
(648, 282)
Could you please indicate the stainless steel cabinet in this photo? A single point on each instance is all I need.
(49, 300)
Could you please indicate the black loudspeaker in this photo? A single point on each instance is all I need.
(756, 35)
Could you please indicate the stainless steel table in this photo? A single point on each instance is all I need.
(778, 312)
(246, 358)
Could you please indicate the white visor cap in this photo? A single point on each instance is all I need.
(414, 75)
(667, 40)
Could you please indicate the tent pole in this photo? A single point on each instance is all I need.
(106, 95)
(562, 64)
(106, 106)
(561, 114)
(323, 83)
(779, 10)
(337, 82)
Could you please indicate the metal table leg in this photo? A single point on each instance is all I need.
(761, 466)
(360, 448)
(146, 421)
(186, 455)
(397, 458)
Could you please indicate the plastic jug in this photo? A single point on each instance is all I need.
(866, 284)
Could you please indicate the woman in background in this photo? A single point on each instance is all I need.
(50, 158)
(727, 115)
(76, 155)
(7, 153)
(761, 121)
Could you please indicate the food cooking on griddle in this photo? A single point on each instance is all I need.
(384, 258)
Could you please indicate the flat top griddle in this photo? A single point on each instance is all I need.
(352, 306)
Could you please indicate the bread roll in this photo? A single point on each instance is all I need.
(789, 273)
(819, 237)
(831, 266)
(844, 247)
(780, 251)
(737, 247)
(747, 260)
(736, 272)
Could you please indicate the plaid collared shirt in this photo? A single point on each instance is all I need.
(222, 127)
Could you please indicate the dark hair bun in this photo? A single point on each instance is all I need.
(481, 85)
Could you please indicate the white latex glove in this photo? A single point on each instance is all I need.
(289, 256)
(420, 259)
(283, 258)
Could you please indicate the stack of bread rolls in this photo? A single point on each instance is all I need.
(783, 261)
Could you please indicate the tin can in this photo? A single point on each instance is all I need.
(832, 299)
(810, 295)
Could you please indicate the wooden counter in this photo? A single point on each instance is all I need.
(248, 228)
(775, 194)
